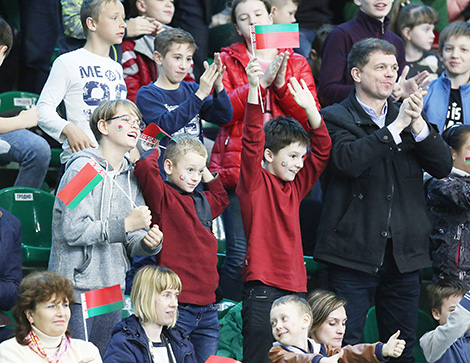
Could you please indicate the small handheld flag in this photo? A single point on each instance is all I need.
(82, 184)
(467, 159)
(217, 359)
(277, 36)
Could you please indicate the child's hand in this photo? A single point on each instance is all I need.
(280, 80)
(76, 138)
(302, 95)
(154, 237)
(140, 25)
(333, 359)
(206, 82)
(139, 218)
(218, 85)
(28, 118)
(253, 71)
(271, 72)
(394, 347)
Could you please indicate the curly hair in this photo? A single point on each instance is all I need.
(36, 288)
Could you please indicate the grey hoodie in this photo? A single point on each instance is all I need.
(89, 244)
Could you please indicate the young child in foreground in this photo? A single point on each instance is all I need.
(450, 341)
(185, 216)
(275, 175)
(292, 320)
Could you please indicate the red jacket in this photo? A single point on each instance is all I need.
(225, 157)
(189, 248)
(138, 65)
(270, 207)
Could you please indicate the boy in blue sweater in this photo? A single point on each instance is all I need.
(175, 105)
(450, 341)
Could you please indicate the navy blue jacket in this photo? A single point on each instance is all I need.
(129, 343)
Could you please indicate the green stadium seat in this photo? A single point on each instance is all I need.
(33, 207)
(17, 100)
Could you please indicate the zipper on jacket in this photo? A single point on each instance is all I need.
(459, 238)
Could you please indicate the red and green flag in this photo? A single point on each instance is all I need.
(102, 301)
(82, 184)
(276, 36)
(217, 359)
(467, 159)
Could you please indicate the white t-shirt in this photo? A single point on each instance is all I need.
(82, 80)
(162, 352)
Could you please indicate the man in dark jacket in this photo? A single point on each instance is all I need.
(374, 231)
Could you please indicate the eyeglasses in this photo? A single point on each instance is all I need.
(132, 121)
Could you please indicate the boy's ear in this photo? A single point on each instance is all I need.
(268, 155)
(102, 127)
(356, 74)
(357, 2)
(306, 321)
(140, 6)
(313, 54)
(273, 10)
(436, 314)
(168, 166)
(158, 58)
(91, 24)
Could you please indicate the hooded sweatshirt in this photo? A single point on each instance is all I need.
(89, 244)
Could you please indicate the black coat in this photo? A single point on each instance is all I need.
(373, 191)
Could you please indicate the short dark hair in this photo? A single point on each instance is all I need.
(320, 36)
(283, 131)
(92, 9)
(165, 39)
(456, 135)
(459, 28)
(445, 288)
(6, 35)
(361, 52)
(36, 288)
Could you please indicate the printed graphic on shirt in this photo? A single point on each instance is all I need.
(193, 127)
(454, 110)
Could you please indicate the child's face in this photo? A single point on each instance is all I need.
(166, 306)
(287, 162)
(284, 14)
(456, 56)
(289, 325)
(421, 36)
(186, 173)
(377, 9)
(123, 129)
(110, 25)
(160, 10)
(175, 64)
(459, 156)
(332, 330)
(251, 12)
(448, 306)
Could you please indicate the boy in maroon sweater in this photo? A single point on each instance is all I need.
(185, 217)
(276, 173)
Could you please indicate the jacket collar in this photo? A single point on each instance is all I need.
(371, 24)
(361, 118)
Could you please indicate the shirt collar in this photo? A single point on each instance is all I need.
(378, 120)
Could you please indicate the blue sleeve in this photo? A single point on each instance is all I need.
(10, 259)
(151, 103)
(378, 352)
(217, 109)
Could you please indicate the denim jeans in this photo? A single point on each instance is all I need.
(396, 298)
(99, 328)
(201, 325)
(230, 280)
(31, 151)
(257, 332)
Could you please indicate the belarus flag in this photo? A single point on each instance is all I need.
(277, 36)
(81, 184)
(102, 301)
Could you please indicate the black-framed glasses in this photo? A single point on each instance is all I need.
(132, 121)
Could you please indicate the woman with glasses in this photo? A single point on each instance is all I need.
(92, 241)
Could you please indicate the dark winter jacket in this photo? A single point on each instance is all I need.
(449, 206)
(129, 343)
(373, 191)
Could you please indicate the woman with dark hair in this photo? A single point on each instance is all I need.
(42, 314)
(449, 206)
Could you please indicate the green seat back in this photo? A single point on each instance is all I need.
(33, 207)
(17, 100)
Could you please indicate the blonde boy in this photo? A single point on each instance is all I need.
(283, 11)
(446, 103)
(84, 78)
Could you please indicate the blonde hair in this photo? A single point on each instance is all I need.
(149, 281)
(182, 144)
(299, 302)
(92, 9)
(322, 303)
